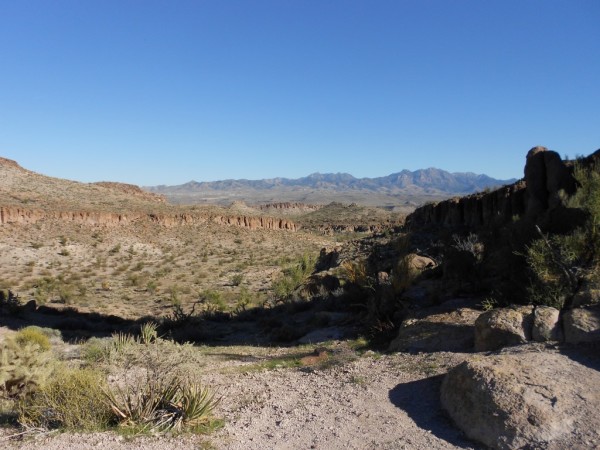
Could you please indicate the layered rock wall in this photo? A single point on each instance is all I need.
(22, 216)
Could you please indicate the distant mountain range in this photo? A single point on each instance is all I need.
(401, 188)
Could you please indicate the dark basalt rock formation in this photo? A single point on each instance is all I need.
(538, 197)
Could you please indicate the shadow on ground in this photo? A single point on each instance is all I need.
(585, 353)
(281, 324)
(421, 401)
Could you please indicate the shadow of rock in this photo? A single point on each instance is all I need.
(421, 401)
(585, 353)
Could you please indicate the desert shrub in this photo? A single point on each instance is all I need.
(355, 272)
(158, 392)
(96, 350)
(121, 341)
(72, 399)
(24, 367)
(470, 244)
(560, 264)
(244, 300)
(292, 277)
(404, 274)
(237, 279)
(212, 301)
(9, 302)
(34, 335)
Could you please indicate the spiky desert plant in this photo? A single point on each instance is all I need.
(148, 333)
(24, 366)
(356, 273)
(161, 404)
(121, 341)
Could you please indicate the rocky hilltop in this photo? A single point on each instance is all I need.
(27, 197)
(538, 194)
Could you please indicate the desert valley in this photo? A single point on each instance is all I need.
(467, 322)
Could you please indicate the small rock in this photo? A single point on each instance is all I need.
(546, 324)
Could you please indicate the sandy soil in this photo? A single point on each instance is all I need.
(374, 401)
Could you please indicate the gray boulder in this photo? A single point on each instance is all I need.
(582, 324)
(527, 399)
(546, 324)
(502, 327)
(437, 330)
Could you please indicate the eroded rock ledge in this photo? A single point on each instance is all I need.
(22, 216)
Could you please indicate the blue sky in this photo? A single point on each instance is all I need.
(163, 92)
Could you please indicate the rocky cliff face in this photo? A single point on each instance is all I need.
(132, 189)
(290, 207)
(546, 176)
(21, 216)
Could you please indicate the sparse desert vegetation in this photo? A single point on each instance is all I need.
(213, 332)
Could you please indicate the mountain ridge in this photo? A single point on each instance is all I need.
(393, 189)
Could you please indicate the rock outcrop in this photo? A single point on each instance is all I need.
(526, 398)
(290, 207)
(256, 223)
(21, 216)
(546, 176)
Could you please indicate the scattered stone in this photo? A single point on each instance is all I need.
(322, 335)
(420, 263)
(420, 294)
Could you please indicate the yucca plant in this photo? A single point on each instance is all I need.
(121, 341)
(148, 333)
(161, 404)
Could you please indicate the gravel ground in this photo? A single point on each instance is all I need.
(374, 401)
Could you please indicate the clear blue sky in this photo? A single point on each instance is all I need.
(163, 92)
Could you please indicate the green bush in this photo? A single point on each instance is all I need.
(34, 335)
(561, 263)
(73, 399)
(96, 350)
(292, 277)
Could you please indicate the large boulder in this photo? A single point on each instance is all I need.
(503, 327)
(437, 330)
(582, 324)
(524, 399)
